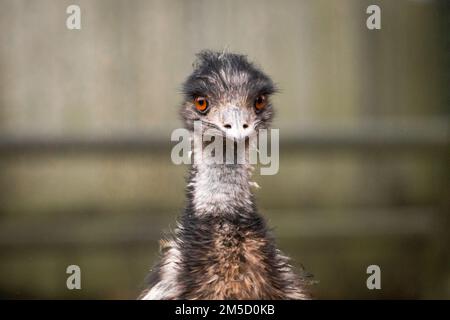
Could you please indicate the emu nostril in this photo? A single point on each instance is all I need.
(228, 126)
(245, 126)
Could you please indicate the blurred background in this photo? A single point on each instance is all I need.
(86, 115)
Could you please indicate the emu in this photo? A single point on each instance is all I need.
(222, 248)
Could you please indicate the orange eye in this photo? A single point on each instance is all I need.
(201, 103)
(260, 102)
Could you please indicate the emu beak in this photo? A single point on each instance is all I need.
(235, 123)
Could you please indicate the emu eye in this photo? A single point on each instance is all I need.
(260, 102)
(201, 104)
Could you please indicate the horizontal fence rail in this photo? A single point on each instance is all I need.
(134, 229)
(427, 136)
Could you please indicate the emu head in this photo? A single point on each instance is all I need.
(229, 96)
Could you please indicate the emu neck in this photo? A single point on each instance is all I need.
(227, 252)
(220, 189)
